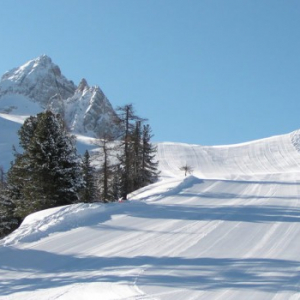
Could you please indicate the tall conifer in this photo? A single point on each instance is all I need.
(127, 119)
(48, 172)
(88, 193)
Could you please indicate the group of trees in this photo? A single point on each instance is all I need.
(136, 159)
(128, 163)
(50, 173)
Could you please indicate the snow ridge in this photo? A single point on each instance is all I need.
(59, 219)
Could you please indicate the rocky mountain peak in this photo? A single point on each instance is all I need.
(82, 85)
(39, 79)
(42, 63)
(86, 109)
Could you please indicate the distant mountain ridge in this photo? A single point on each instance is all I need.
(86, 109)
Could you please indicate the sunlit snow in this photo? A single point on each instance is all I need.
(230, 230)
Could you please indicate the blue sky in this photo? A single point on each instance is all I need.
(205, 72)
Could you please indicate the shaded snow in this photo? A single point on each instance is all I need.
(18, 105)
(8, 138)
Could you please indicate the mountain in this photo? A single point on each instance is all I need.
(39, 84)
(228, 231)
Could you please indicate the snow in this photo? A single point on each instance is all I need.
(228, 231)
(18, 105)
(8, 138)
(11, 123)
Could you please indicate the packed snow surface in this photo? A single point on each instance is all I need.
(230, 230)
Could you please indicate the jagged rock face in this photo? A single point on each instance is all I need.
(88, 112)
(99, 116)
(82, 85)
(86, 109)
(38, 79)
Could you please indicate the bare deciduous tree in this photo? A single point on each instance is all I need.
(187, 169)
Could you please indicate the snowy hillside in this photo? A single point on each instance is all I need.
(276, 156)
(11, 123)
(229, 231)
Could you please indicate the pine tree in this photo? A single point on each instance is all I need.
(48, 172)
(116, 182)
(2, 179)
(7, 220)
(149, 173)
(88, 193)
(18, 177)
(26, 133)
(136, 157)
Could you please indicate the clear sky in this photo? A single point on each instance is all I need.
(205, 72)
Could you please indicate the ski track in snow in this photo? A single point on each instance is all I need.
(229, 231)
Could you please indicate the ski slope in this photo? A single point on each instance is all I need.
(228, 231)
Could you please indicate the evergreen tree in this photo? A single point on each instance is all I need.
(2, 179)
(116, 182)
(27, 131)
(105, 172)
(48, 172)
(136, 154)
(7, 221)
(17, 178)
(148, 173)
(88, 193)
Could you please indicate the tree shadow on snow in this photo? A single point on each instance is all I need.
(234, 213)
(200, 209)
(191, 187)
(42, 270)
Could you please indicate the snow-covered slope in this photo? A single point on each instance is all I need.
(39, 84)
(10, 124)
(8, 138)
(229, 231)
(278, 155)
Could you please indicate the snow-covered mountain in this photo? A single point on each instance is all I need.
(229, 231)
(39, 84)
